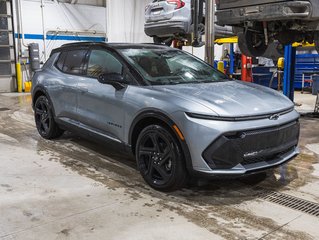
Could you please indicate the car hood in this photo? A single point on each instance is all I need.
(231, 98)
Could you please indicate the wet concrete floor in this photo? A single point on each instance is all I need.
(72, 188)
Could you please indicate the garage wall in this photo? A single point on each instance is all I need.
(125, 21)
(7, 56)
(122, 20)
(61, 16)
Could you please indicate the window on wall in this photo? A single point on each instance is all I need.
(4, 23)
(4, 38)
(101, 62)
(72, 62)
(5, 69)
(3, 7)
(5, 53)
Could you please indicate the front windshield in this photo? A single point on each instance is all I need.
(167, 67)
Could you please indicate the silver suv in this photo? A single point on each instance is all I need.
(166, 20)
(177, 114)
(259, 22)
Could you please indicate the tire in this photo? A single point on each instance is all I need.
(160, 159)
(44, 119)
(163, 41)
(251, 44)
(274, 51)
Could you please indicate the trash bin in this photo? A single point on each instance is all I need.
(315, 84)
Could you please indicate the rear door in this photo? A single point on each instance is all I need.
(64, 86)
(224, 4)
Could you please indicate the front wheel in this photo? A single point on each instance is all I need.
(159, 159)
(44, 119)
(251, 44)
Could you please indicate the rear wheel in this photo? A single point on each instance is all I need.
(159, 159)
(251, 44)
(44, 119)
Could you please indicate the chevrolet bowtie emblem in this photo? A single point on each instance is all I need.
(274, 117)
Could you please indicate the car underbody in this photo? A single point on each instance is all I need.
(259, 23)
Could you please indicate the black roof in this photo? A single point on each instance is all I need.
(110, 45)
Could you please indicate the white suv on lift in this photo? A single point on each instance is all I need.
(166, 20)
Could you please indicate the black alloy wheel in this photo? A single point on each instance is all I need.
(44, 119)
(159, 159)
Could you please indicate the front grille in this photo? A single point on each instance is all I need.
(248, 161)
(252, 146)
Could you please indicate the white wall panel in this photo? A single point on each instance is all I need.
(125, 21)
(60, 16)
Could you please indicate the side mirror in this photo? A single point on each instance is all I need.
(114, 79)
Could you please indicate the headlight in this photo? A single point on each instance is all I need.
(238, 118)
(209, 117)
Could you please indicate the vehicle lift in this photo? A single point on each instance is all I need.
(290, 50)
(289, 71)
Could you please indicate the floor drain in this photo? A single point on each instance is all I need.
(292, 202)
(4, 109)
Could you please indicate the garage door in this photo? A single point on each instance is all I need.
(6, 48)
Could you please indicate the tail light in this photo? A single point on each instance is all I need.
(178, 3)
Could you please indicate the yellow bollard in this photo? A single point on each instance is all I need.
(220, 66)
(281, 63)
(27, 86)
(19, 77)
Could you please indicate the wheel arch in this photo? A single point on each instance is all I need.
(147, 118)
(40, 91)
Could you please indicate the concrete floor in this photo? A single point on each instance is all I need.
(72, 188)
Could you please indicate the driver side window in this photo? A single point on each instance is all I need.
(101, 62)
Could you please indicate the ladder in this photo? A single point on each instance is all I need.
(317, 104)
(7, 54)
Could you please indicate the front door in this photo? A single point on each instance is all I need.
(100, 106)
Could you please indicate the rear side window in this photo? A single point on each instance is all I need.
(60, 61)
(72, 62)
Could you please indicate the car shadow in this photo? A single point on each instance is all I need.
(217, 191)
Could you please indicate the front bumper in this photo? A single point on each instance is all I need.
(290, 10)
(240, 147)
(246, 151)
(166, 28)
